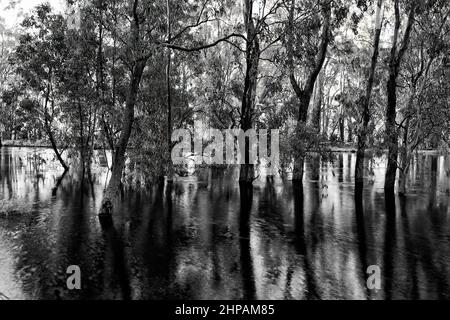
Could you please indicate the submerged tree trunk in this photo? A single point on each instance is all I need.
(113, 189)
(364, 129)
(48, 126)
(325, 123)
(391, 132)
(404, 161)
(342, 128)
(402, 179)
(299, 169)
(391, 110)
(247, 175)
(54, 145)
(350, 132)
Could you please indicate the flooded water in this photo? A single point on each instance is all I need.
(205, 238)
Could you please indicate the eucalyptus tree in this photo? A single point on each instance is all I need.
(259, 35)
(38, 58)
(309, 32)
(363, 131)
(321, 21)
(424, 112)
(144, 35)
(79, 97)
(398, 50)
(7, 41)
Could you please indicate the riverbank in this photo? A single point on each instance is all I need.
(33, 144)
(25, 143)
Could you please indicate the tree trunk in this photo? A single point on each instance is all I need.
(342, 129)
(391, 132)
(299, 168)
(55, 147)
(402, 179)
(447, 174)
(404, 160)
(315, 113)
(48, 126)
(113, 189)
(246, 174)
(363, 132)
(325, 124)
(169, 99)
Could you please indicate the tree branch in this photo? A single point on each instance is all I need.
(202, 47)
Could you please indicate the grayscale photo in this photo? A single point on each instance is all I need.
(251, 152)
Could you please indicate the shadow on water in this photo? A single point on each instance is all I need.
(361, 235)
(300, 240)
(412, 277)
(246, 194)
(390, 233)
(115, 264)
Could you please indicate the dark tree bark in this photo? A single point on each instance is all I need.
(252, 54)
(404, 160)
(364, 129)
(304, 94)
(169, 97)
(54, 145)
(342, 128)
(113, 189)
(325, 121)
(350, 132)
(48, 125)
(391, 110)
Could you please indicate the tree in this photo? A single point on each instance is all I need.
(424, 111)
(252, 55)
(38, 57)
(137, 64)
(395, 59)
(304, 93)
(365, 101)
(144, 36)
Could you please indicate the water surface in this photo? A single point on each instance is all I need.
(205, 238)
